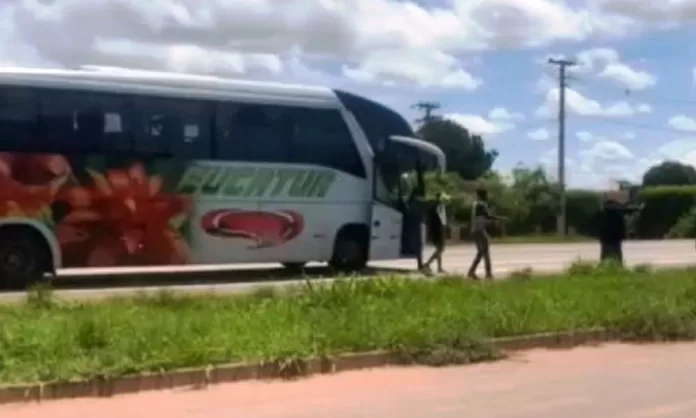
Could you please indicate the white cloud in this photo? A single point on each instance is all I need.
(628, 77)
(541, 134)
(590, 59)
(628, 136)
(498, 120)
(606, 63)
(502, 114)
(606, 161)
(682, 123)
(585, 136)
(73, 32)
(427, 68)
(598, 165)
(187, 58)
(578, 104)
(649, 14)
(608, 151)
(479, 125)
(682, 149)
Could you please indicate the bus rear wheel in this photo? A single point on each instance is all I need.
(24, 257)
(350, 252)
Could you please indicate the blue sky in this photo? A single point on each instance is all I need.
(630, 99)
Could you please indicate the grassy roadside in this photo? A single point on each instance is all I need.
(435, 322)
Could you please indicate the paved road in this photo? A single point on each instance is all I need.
(612, 381)
(506, 258)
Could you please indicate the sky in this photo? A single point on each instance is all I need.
(630, 98)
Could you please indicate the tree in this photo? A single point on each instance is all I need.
(670, 173)
(466, 154)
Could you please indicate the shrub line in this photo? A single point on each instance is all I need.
(201, 377)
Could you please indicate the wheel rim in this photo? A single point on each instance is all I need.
(16, 261)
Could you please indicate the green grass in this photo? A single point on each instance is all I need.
(426, 321)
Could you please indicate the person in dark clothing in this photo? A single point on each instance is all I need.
(612, 228)
(480, 218)
(436, 222)
(414, 212)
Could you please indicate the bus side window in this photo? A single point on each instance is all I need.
(117, 122)
(173, 127)
(19, 119)
(253, 132)
(69, 123)
(321, 137)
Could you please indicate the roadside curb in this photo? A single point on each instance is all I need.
(200, 378)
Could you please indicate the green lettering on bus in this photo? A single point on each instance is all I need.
(256, 182)
(322, 184)
(193, 177)
(301, 186)
(237, 181)
(260, 183)
(283, 177)
(214, 180)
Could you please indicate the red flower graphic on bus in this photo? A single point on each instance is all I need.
(29, 182)
(122, 219)
(264, 229)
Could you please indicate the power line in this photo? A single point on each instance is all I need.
(563, 65)
(640, 94)
(666, 129)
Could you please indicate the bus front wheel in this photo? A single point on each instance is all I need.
(350, 251)
(24, 257)
(294, 267)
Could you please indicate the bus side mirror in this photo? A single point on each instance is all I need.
(382, 145)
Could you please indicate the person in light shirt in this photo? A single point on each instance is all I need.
(480, 219)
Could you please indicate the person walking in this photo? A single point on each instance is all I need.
(436, 222)
(480, 218)
(612, 228)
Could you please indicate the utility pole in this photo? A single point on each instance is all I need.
(427, 108)
(562, 64)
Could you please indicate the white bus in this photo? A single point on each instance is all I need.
(108, 167)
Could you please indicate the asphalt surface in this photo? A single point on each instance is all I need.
(98, 283)
(610, 381)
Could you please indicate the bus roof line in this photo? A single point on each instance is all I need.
(95, 75)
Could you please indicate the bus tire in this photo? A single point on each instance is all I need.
(24, 257)
(294, 267)
(350, 252)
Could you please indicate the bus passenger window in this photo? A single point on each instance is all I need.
(112, 123)
(174, 127)
(321, 137)
(117, 123)
(250, 132)
(19, 117)
(191, 133)
(69, 122)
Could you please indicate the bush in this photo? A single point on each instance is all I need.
(531, 207)
(685, 226)
(581, 211)
(664, 206)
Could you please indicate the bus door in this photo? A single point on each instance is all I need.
(397, 209)
(387, 210)
(414, 212)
